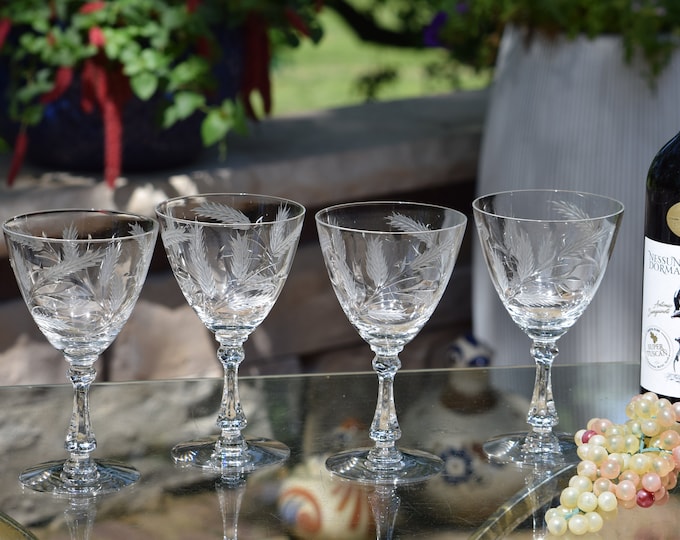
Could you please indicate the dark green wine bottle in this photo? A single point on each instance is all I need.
(660, 351)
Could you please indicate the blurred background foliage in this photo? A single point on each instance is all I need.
(370, 50)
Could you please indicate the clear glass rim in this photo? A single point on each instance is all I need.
(160, 208)
(318, 217)
(6, 226)
(594, 196)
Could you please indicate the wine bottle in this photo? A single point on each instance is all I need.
(660, 350)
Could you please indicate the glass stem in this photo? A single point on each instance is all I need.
(541, 442)
(80, 470)
(384, 503)
(542, 414)
(385, 431)
(79, 516)
(230, 491)
(231, 446)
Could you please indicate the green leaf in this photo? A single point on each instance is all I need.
(183, 106)
(215, 127)
(152, 60)
(240, 117)
(187, 72)
(173, 17)
(144, 85)
(169, 117)
(32, 114)
(187, 103)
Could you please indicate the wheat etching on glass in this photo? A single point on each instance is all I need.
(546, 252)
(389, 264)
(231, 255)
(80, 274)
(551, 276)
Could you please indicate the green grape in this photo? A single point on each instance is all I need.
(569, 497)
(595, 521)
(587, 501)
(607, 501)
(587, 468)
(640, 463)
(557, 525)
(581, 483)
(669, 439)
(597, 454)
(578, 524)
(616, 443)
(601, 485)
(666, 417)
(622, 466)
(650, 427)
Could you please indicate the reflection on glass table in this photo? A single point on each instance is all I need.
(315, 416)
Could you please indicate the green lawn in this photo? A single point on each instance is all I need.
(325, 75)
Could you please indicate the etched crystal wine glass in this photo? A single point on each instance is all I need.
(80, 273)
(231, 254)
(546, 252)
(389, 263)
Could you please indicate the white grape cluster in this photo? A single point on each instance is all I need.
(624, 465)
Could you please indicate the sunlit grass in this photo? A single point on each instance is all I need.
(325, 75)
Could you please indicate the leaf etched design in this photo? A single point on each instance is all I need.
(222, 213)
(107, 268)
(71, 265)
(240, 256)
(409, 225)
(554, 263)
(523, 253)
(173, 234)
(435, 253)
(376, 264)
(280, 240)
(333, 245)
(200, 268)
(70, 248)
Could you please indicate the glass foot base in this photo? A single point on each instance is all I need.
(415, 466)
(515, 448)
(110, 477)
(259, 453)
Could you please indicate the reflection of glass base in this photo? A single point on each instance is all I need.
(110, 476)
(415, 466)
(259, 453)
(521, 449)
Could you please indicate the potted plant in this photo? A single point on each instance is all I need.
(472, 29)
(97, 63)
(584, 94)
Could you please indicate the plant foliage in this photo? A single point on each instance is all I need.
(118, 49)
(472, 29)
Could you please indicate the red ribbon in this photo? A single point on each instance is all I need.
(256, 68)
(62, 80)
(91, 7)
(5, 27)
(110, 90)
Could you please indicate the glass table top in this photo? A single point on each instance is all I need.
(448, 412)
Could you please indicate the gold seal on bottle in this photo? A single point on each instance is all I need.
(673, 219)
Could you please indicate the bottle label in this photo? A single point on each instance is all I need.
(660, 358)
(673, 219)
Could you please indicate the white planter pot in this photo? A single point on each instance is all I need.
(572, 114)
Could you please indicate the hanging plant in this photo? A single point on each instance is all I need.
(165, 52)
